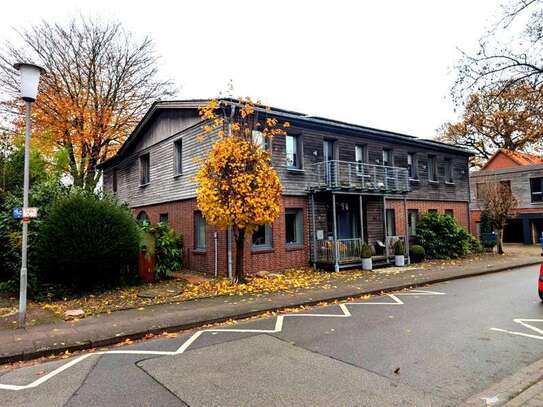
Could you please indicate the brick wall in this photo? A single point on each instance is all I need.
(279, 257)
(460, 210)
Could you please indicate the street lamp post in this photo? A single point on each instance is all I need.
(29, 80)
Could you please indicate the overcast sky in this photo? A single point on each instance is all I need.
(384, 64)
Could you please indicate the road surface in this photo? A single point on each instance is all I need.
(433, 347)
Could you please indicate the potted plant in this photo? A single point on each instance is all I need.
(399, 253)
(365, 253)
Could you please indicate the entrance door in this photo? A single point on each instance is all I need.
(348, 221)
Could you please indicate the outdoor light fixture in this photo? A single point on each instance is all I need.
(29, 80)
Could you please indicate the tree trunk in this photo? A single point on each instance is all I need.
(239, 276)
(499, 238)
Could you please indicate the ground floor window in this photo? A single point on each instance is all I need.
(163, 218)
(391, 222)
(262, 237)
(432, 210)
(199, 231)
(449, 212)
(142, 217)
(293, 227)
(412, 217)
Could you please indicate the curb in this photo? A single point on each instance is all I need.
(89, 344)
(511, 391)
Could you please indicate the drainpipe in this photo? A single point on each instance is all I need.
(336, 251)
(229, 232)
(385, 224)
(215, 238)
(406, 229)
(314, 231)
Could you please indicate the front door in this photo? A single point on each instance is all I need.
(348, 221)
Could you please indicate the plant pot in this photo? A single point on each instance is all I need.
(399, 260)
(367, 264)
(146, 267)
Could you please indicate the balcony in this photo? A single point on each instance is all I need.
(346, 175)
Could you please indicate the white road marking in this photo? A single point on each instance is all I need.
(524, 323)
(277, 328)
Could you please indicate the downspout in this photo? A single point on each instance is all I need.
(229, 232)
(385, 226)
(313, 231)
(405, 213)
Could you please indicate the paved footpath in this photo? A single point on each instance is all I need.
(106, 329)
(434, 346)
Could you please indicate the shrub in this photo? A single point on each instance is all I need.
(416, 253)
(365, 251)
(475, 245)
(442, 237)
(163, 242)
(399, 249)
(86, 240)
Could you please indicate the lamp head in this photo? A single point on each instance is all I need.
(29, 80)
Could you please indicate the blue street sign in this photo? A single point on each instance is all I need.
(17, 213)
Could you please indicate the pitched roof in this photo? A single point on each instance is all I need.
(287, 114)
(516, 157)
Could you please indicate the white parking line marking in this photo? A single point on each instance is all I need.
(524, 323)
(277, 328)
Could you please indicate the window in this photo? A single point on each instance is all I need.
(536, 189)
(412, 217)
(449, 212)
(391, 222)
(163, 218)
(114, 181)
(145, 169)
(479, 190)
(432, 210)
(293, 156)
(411, 166)
(387, 157)
(432, 173)
(260, 140)
(142, 217)
(262, 237)
(199, 231)
(506, 185)
(293, 227)
(448, 171)
(178, 156)
(360, 157)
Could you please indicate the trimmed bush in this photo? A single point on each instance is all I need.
(365, 251)
(399, 249)
(442, 237)
(86, 241)
(416, 253)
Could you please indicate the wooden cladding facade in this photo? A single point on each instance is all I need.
(170, 128)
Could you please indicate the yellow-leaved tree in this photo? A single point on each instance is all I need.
(237, 185)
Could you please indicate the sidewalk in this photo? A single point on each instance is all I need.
(524, 388)
(106, 329)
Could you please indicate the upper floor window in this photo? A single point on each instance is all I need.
(294, 159)
(432, 170)
(387, 157)
(506, 185)
(260, 140)
(114, 181)
(199, 231)
(293, 227)
(536, 189)
(411, 166)
(360, 157)
(145, 169)
(448, 170)
(262, 237)
(178, 156)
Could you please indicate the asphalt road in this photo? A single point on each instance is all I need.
(417, 349)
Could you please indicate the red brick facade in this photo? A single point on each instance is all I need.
(460, 210)
(278, 257)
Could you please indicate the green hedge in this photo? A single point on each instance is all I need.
(86, 241)
(442, 237)
(416, 253)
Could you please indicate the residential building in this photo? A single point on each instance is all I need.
(522, 173)
(343, 184)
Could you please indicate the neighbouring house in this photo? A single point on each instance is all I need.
(523, 174)
(343, 184)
